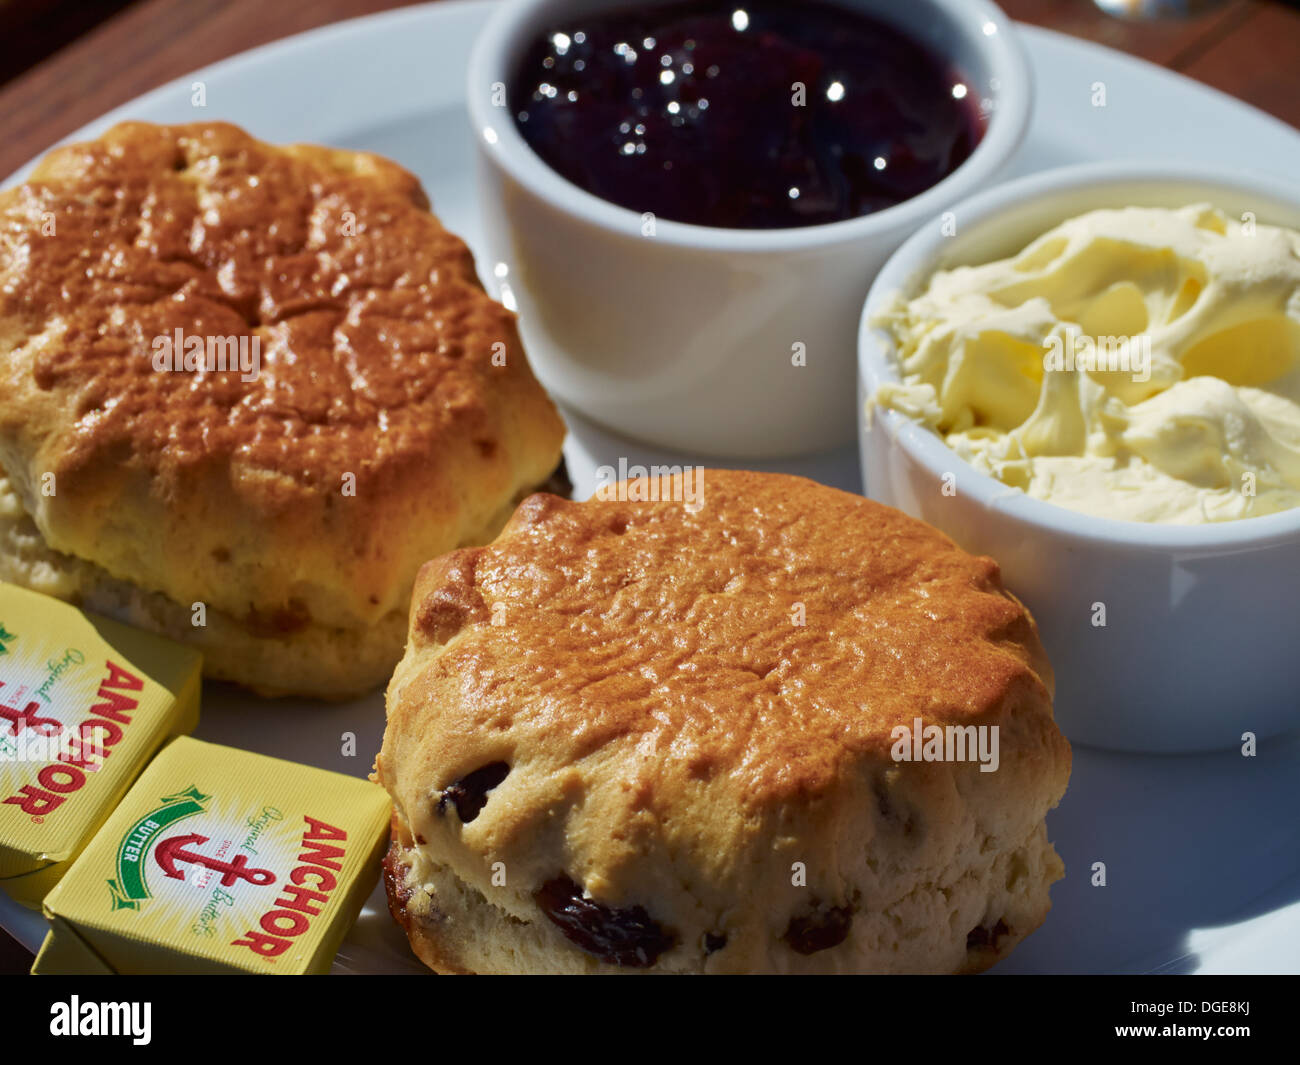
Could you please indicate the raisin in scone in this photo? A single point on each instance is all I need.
(650, 736)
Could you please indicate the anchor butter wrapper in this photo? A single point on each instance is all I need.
(219, 861)
(84, 704)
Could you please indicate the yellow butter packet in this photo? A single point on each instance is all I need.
(84, 704)
(220, 860)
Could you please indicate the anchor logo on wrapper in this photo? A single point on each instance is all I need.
(212, 862)
(148, 846)
(170, 853)
(131, 887)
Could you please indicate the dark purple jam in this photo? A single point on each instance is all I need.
(691, 111)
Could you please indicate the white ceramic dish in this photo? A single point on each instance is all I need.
(1201, 622)
(684, 337)
(1203, 851)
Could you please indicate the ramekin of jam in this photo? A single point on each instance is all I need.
(687, 201)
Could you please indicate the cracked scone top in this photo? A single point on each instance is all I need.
(394, 415)
(626, 735)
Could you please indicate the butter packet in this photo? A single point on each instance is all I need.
(220, 861)
(84, 704)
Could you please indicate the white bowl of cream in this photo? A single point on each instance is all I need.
(1093, 375)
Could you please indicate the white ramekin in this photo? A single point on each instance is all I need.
(686, 338)
(1201, 642)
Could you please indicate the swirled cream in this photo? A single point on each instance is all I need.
(1141, 363)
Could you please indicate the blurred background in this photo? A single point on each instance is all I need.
(63, 63)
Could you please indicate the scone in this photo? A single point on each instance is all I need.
(695, 737)
(245, 391)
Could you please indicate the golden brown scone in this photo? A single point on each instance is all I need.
(633, 736)
(394, 416)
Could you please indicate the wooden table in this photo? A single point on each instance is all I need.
(1248, 48)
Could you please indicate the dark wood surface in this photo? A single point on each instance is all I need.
(1247, 48)
(33, 30)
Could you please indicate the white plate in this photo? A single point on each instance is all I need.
(1201, 853)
